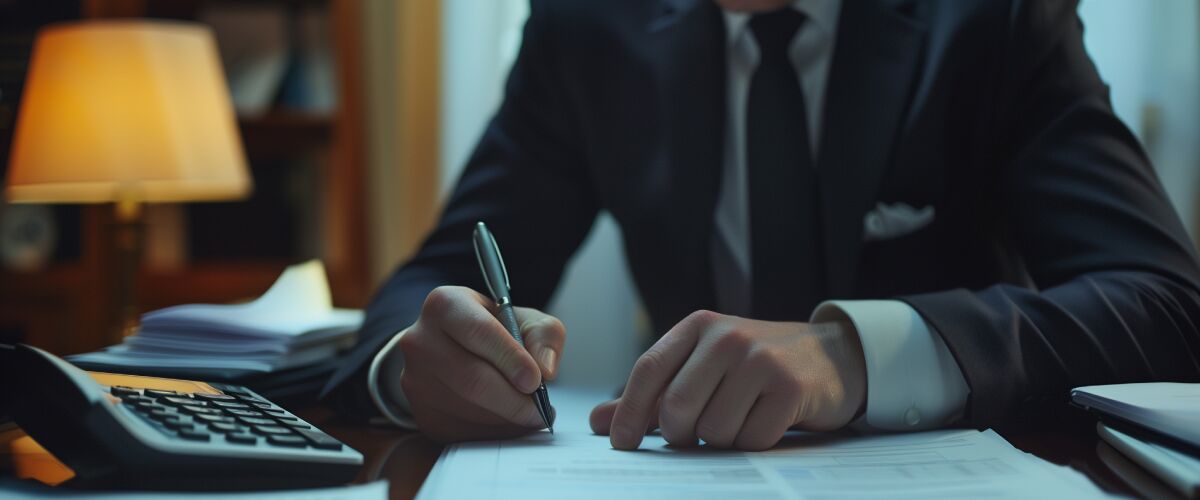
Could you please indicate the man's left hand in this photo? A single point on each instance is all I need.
(736, 382)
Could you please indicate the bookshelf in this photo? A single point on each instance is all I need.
(310, 201)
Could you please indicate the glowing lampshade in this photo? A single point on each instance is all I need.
(126, 111)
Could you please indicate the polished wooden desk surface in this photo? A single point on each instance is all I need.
(404, 458)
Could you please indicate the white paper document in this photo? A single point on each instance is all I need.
(575, 464)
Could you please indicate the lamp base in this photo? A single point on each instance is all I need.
(128, 231)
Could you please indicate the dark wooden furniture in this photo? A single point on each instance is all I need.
(405, 458)
(317, 158)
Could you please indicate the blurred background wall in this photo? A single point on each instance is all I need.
(596, 300)
(1149, 52)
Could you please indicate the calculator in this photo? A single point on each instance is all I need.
(132, 432)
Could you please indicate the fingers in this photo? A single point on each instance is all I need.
(544, 338)
(690, 392)
(649, 379)
(472, 379)
(463, 315)
(456, 419)
(602, 415)
(726, 411)
(767, 422)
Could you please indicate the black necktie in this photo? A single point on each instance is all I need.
(786, 276)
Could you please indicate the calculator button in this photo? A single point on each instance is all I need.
(257, 420)
(200, 410)
(286, 418)
(321, 440)
(271, 429)
(135, 399)
(287, 440)
(297, 425)
(213, 397)
(274, 411)
(178, 423)
(241, 438)
(225, 428)
(194, 434)
(243, 413)
(180, 401)
(231, 404)
(163, 414)
(263, 406)
(121, 391)
(236, 391)
(159, 392)
(214, 418)
(149, 407)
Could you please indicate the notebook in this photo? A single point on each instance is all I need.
(1169, 409)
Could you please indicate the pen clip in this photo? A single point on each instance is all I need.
(497, 294)
(503, 268)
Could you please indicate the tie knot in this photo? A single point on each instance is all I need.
(774, 30)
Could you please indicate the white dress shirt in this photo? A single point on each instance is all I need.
(913, 382)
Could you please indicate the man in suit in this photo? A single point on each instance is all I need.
(901, 213)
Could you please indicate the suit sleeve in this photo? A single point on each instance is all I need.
(1115, 296)
(526, 178)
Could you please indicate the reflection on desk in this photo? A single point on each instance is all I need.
(405, 458)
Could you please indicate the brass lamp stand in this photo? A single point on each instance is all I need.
(128, 230)
(126, 112)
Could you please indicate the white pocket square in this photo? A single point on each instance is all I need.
(893, 220)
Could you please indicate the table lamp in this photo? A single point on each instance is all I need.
(127, 113)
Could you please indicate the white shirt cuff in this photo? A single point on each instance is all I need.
(913, 382)
(387, 395)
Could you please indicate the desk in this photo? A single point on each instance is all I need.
(404, 458)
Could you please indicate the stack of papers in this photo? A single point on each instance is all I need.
(293, 324)
(576, 464)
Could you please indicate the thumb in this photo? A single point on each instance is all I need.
(544, 339)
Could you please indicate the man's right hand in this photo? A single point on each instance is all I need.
(464, 375)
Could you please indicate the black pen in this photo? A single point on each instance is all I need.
(495, 275)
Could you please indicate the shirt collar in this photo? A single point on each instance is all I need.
(820, 13)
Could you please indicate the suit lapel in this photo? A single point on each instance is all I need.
(875, 58)
(687, 39)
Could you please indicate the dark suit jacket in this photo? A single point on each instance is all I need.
(1055, 259)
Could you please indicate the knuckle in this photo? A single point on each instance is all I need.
(649, 362)
(555, 326)
(764, 359)
(702, 318)
(736, 340)
(551, 326)
(410, 343)
(674, 405)
(439, 302)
